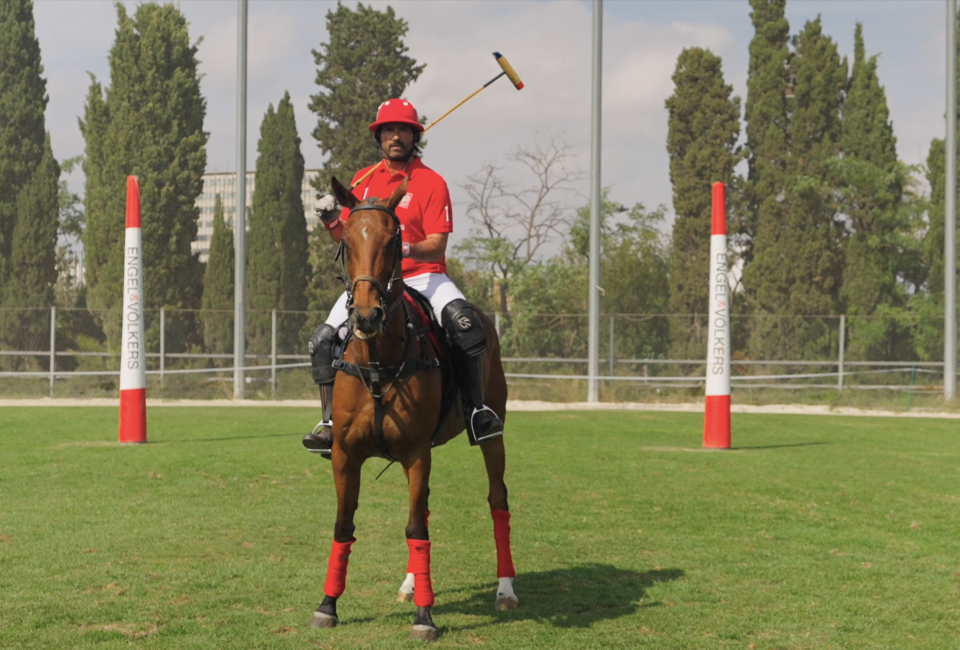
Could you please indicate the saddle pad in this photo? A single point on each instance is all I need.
(427, 322)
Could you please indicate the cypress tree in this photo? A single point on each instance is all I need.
(936, 174)
(218, 289)
(867, 131)
(796, 269)
(277, 269)
(29, 178)
(32, 266)
(324, 288)
(364, 64)
(933, 242)
(879, 249)
(704, 125)
(150, 124)
(766, 125)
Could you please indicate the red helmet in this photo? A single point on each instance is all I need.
(397, 110)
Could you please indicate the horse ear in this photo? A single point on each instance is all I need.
(344, 196)
(397, 195)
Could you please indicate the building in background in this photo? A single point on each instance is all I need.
(225, 184)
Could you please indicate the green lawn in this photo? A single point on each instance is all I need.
(814, 532)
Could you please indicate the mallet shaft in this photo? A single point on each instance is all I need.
(507, 70)
(432, 124)
(471, 96)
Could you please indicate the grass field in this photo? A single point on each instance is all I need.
(814, 532)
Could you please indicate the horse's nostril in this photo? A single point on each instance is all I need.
(367, 320)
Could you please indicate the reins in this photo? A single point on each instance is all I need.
(377, 374)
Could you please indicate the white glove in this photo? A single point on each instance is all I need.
(326, 209)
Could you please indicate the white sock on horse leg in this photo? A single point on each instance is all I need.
(407, 586)
(505, 589)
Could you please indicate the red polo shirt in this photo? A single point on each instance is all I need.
(423, 211)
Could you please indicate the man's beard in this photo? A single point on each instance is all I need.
(389, 155)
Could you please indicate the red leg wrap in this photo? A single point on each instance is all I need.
(419, 566)
(501, 533)
(337, 569)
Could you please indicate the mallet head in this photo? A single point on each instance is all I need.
(508, 69)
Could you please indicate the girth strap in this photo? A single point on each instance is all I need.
(375, 376)
(388, 374)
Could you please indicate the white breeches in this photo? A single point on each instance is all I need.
(438, 288)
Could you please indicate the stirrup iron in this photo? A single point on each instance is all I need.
(472, 432)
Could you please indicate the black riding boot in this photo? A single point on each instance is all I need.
(324, 374)
(321, 440)
(482, 423)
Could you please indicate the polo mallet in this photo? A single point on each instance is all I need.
(507, 70)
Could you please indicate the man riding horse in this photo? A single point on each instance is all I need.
(426, 218)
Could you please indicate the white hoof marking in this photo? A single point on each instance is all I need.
(506, 599)
(405, 594)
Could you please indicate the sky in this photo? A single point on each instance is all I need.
(547, 42)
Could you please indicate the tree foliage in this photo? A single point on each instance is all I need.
(516, 218)
(882, 261)
(766, 123)
(29, 177)
(148, 123)
(364, 64)
(549, 296)
(218, 286)
(277, 269)
(795, 273)
(703, 129)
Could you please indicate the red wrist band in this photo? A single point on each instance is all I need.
(333, 224)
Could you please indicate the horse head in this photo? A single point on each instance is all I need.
(371, 243)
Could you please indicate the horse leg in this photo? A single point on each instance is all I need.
(405, 593)
(347, 479)
(418, 543)
(494, 458)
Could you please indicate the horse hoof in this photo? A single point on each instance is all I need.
(424, 633)
(505, 603)
(323, 620)
(404, 596)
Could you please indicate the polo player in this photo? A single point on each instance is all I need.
(426, 218)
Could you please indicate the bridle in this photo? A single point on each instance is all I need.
(387, 304)
(374, 375)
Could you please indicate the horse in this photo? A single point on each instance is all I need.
(387, 403)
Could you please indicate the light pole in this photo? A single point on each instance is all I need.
(593, 348)
(950, 216)
(240, 216)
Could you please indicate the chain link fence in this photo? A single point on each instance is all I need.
(65, 353)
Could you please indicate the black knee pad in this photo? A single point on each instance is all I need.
(321, 354)
(464, 328)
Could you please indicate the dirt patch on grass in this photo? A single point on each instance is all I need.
(129, 630)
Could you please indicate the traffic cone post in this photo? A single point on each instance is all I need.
(133, 371)
(716, 427)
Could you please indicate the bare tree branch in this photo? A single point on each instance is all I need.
(514, 220)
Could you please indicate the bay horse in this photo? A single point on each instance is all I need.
(387, 402)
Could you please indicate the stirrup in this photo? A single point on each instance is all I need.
(472, 432)
(311, 438)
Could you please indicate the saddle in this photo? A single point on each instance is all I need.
(425, 327)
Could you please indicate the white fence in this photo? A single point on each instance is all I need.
(837, 373)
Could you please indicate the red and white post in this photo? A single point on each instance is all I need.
(716, 425)
(133, 370)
